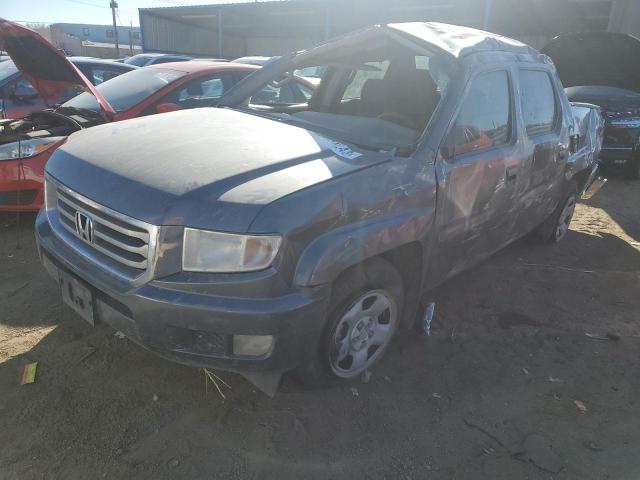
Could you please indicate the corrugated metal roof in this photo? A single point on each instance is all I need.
(234, 3)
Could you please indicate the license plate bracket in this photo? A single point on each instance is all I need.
(78, 296)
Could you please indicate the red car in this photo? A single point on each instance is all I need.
(27, 144)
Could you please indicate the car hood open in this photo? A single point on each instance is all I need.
(206, 168)
(596, 58)
(48, 70)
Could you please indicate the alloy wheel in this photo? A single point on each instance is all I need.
(362, 333)
(565, 218)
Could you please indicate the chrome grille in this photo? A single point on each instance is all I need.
(128, 244)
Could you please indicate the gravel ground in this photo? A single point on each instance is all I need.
(490, 395)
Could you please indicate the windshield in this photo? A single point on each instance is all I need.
(127, 90)
(7, 69)
(382, 100)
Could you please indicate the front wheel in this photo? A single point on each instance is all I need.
(366, 305)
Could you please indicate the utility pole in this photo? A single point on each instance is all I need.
(131, 37)
(113, 6)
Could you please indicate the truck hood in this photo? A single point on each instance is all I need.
(207, 168)
(608, 98)
(48, 70)
(596, 58)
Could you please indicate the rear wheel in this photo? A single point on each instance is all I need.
(365, 314)
(557, 225)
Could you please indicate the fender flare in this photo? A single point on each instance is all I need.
(324, 259)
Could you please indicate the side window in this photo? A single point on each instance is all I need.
(538, 101)
(161, 60)
(22, 89)
(99, 74)
(305, 90)
(201, 92)
(484, 120)
(168, 60)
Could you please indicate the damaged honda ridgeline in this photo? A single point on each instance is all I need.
(264, 239)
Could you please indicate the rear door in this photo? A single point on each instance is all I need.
(546, 150)
(478, 172)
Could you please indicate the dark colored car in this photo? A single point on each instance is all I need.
(18, 97)
(27, 144)
(602, 68)
(263, 239)
(146, 59)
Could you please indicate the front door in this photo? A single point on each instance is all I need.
(478, 175)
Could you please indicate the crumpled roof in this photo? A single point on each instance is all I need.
(461, 41)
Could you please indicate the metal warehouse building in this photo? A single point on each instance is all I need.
(276, 27)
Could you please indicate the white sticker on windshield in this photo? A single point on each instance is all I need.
(343, 150)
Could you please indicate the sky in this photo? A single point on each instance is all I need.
(83, 11)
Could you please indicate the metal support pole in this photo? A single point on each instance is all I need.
(487, 14)
(130, 37)
(113, 6)
(220, 46)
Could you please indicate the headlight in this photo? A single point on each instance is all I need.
(27, 148)
(206, 251)
(626, 123)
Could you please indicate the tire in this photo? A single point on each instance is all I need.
(555, 228)
(353, 339)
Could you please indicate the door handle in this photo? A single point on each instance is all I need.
(512, 172)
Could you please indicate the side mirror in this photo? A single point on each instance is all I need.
(167, 107)
(574, 143)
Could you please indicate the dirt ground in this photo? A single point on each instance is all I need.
(490, 395)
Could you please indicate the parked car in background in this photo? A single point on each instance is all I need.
(146, 59)
(262, 239)
(588, 130)
(18, 97)
(26, 144)
(602, 68)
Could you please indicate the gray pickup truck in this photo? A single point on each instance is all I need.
(264, 239)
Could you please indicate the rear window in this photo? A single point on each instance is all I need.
(137, 60)
(127, 90)
(538, 101)
(368, 71)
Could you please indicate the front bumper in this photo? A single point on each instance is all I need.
(21, 183)
(616, 157)
(193, 327)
